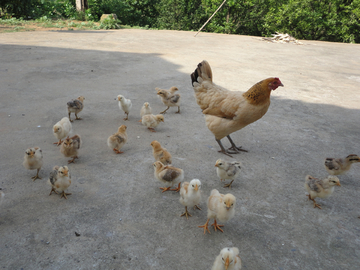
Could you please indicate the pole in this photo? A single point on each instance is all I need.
(210, 18)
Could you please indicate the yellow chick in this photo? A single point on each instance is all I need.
(33, 160)
(169, 98)
(227, 170)
(228, 259)
(221, 207)
(60, 180)
(61, 129)
(168, 175)
(145, 109)
(118, 139)
(125, 105)
(321, 188)
(70, 147)
(160, 153)
(190, 195)
(337, 166)
(152, 121)
(75, 106)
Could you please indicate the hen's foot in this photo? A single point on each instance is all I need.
(217, 226)
(228, 185)
(176, 189)
(63, 194)
(186, 213)
(234, 147)
(206, 227)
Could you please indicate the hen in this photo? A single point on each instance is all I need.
(228, 111)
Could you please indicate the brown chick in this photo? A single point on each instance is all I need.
(321, 188)
(169, 98)
(221, 207)
(60, 180)
(160, 153)
(152, 121)
(33, 160)
(70, 147)
(118, 139)
(168, 175)
(337, 166)
(75, 106)
(228, 111)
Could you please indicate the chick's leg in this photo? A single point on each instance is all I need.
(195, 206)
(205, 226)
(127, 117)
(217, 226)
(36, 176)
(72, 160)
(151, 129)
(229, 185)
(53, 190)
(165, 189)
(70, 117)
(176, 189)
(117, 151)
(77, 118)
(178, 109)
(315, 204)
(58, 143)
(63, 194)
(186, 213)
(234, 147)
(163, 112)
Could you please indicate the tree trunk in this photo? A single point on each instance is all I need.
(82, 5)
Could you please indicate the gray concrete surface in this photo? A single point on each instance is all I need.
(116, 205)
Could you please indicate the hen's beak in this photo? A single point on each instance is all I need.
(196, 187)
(227, 263)
(281, 85)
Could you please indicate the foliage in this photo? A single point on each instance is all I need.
(109, 23)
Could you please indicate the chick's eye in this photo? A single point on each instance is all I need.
(223, 259)
(192, 185)
(224, 202)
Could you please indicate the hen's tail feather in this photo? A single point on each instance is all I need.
(203, 70)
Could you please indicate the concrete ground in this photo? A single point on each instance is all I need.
(116, 206)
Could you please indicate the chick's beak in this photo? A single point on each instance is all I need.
(66, 173)
(227, 263)
(338, 184)
(196, 187)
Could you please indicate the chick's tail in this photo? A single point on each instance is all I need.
(203, 71)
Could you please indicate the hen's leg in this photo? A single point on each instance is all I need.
(163, 112)
(223, 149)
(234, 147)
(186, 213)
(205, 226)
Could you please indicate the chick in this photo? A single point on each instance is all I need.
(145, 109)
(125, 105)
(336, 166)
(62, 129)
(228, 259)
(160, 153)
(190, 195)
(221, 207)
(76, 106)
(169, 175)
(169, 98)
(321, 188)
(70, 147)
(33, 159)
(118, 139)
(60, 180)
(227, 170)
(152, 121)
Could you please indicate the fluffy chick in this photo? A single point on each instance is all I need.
(321, 188)
(70, 147)
(169, 98)
(337, 166)
(75, 106)
(125, 105)
(61, 129)
(190, 195)
(228, 259)
(145, 109)
(152, 121)
(33, 159)
(221, 207)
(227, 170)
(118, 139)
(168, 175)
(160, 153)
(60, 180)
